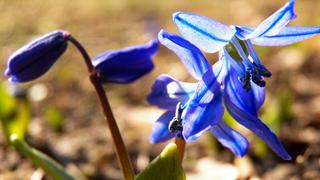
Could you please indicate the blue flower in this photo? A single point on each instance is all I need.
(126, 65)
(167, 92)
(237, 79)
(212, 36)
(34, 59)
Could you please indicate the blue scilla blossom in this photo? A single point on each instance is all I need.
(126, 65)
(167, 92)
(34, 59)
(203, 101)
(236, 81)
(212, 36)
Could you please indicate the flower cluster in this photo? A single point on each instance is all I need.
(236, 80)
(119, 66)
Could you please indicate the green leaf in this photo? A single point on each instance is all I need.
(166, 166)
(14, 114)
(7, 102)
(50, 166)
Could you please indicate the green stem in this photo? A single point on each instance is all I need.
(120, 148)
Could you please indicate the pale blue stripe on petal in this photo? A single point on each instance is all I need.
(207, 34)
(274, 23)
(209, 86)
(287, 36)
(190, 55)
(166, 92)
(200, 119)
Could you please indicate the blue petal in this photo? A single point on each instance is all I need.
(200, 119)
(230, 138)
(189, 54)
(231, 63)
(166, 92)
(273, 24)
(257, 126)
(248, 101)
(288, 35)
(209, 86)
(242, 32)
(243, 107)
(39, 67)
(34, 59)
(207, 34)
(160, 130)
(126, 65)
(204, 109)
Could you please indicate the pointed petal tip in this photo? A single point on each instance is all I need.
(161, 34)
(285, 156)
(176, 14)
(274, 23)
(161, 31)
(291, 4)
(288, 158)
(152, 140)
(243, 152)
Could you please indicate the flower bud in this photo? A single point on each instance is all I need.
(126, 65)
(34, 59)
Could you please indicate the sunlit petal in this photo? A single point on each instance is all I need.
(160, 130)
(207, 34)
(274, 23)
(188, 53)
(126, 65)
(200, 119)
(230, 138)
(166, 92)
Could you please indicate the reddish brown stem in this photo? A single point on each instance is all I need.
(120, 148)
(181, 144)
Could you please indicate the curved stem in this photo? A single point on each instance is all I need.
(181, 144)
(121, 151)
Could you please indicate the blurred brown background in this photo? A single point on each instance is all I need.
(82, 141)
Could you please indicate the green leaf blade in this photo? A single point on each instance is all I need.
(166, 166)
(50, 166)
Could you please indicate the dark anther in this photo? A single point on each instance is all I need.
(263, 71)
(257, 79)
(245, 81)
(175, 125)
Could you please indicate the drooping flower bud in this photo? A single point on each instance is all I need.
(34, 59)
(126, 65)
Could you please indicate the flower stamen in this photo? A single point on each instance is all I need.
(175, 125)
